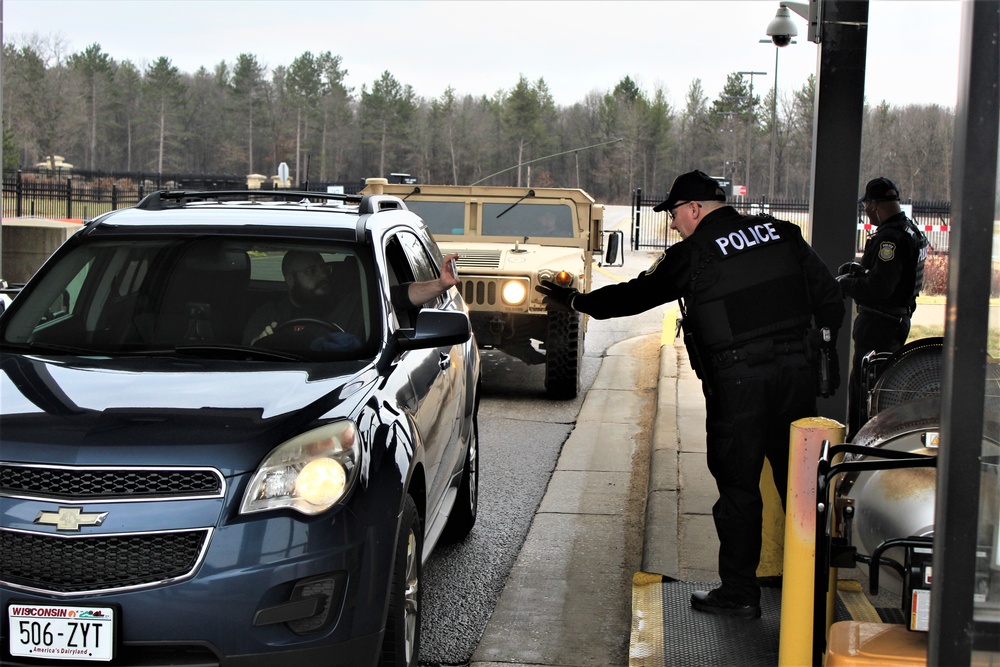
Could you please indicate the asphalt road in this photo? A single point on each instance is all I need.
(521, 433)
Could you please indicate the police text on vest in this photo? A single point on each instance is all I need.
(743, 239)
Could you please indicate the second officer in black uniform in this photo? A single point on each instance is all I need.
(751, 288)
(884, 285)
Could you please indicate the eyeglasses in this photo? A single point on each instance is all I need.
(672, 211)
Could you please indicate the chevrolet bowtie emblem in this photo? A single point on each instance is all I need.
(70, 518)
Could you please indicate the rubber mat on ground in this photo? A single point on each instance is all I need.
(667, 632)
(689, 638)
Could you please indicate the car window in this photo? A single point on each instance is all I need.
(399, 272)
(310, 296)
(526, 219)
(156, 295)
(424, 268)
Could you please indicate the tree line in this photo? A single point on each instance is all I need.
(241, 118)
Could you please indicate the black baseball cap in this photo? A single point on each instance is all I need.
(880, 189)
(692, 186)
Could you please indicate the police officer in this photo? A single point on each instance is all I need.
(751, 286)
(884, 285)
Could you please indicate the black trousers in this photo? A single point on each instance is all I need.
(872, 332)
(749, 415)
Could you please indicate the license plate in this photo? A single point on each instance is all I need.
(61, 632)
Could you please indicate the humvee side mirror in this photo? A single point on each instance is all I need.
(613, 248)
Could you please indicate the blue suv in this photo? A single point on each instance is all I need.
(203, 462)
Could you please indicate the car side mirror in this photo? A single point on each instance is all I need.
(435, 328)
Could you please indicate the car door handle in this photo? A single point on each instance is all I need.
(444, 361)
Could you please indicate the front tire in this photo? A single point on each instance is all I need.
(563, 353)
(401, 642)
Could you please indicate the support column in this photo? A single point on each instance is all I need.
(840, 99)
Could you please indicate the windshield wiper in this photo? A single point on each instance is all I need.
(53, 348)
(237, 352)
(531, 193)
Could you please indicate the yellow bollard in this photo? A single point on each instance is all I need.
(772, 526)
(805, 442)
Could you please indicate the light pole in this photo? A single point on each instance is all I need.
(774, 117)
(750, 125)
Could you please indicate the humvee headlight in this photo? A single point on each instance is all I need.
(310, 473)
(563, 279)
(514, 292)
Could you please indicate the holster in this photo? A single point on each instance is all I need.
(695, 357)
(818, 353)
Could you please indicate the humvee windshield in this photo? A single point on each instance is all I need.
(441, 217)
(525, 219)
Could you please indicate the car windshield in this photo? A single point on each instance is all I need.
(206, 296)
(554, 221)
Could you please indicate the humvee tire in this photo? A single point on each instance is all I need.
(563, 354)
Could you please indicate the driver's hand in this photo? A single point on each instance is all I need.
(449, 277)
(268, 330)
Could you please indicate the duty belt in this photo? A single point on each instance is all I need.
(757, 352)
(894, 314)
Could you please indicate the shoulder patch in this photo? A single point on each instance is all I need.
(655, 264)
(887, 251)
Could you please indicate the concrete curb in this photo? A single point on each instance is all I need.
(660, 553)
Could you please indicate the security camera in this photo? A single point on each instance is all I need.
(781, 29)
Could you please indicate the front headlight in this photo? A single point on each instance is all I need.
(310, 473)
(514, 292)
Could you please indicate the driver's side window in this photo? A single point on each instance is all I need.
(400, 273)
(409, 262)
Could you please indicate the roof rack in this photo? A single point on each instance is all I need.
(164, 199)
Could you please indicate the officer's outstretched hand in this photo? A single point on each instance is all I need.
(556, 296)
(850, 269)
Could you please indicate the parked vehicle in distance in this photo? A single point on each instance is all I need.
(175, 489)
(508, 241)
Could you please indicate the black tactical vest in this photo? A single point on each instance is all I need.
(747, 282)
(920, 246)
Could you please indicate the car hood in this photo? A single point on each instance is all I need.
(166, 411)
(502, 257)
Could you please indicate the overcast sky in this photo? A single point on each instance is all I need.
(478, 46)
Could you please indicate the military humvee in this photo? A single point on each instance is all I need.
(509, 240)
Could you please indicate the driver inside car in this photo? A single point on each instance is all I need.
(313, 295)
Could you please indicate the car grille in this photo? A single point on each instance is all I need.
(98, 563)
(478, 259)
(86, 483)
(480, 291)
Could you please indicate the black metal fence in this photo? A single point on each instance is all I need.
(652, 230)
(82, 195)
